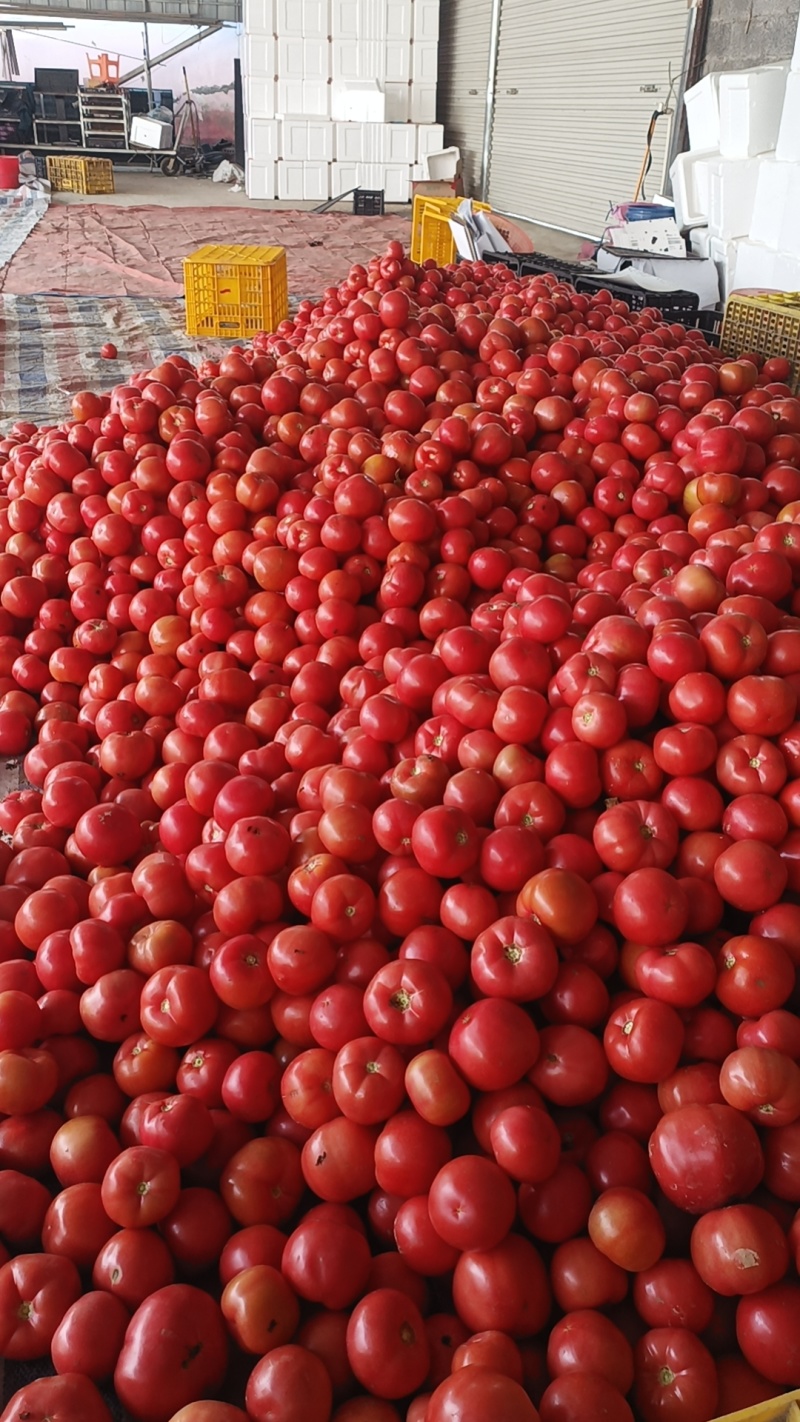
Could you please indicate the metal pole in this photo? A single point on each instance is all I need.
(548, 226)
(169, 53)
(148, 75)
(491, 81)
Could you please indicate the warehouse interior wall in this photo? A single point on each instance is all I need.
(745, 33)
(209, 65)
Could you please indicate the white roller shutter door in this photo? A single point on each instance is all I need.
(463, 72)
(577, 82)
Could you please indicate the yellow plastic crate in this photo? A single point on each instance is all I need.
(783, 1408)
(767, 323)
(430, 229)
(81, 175)
(235, 292)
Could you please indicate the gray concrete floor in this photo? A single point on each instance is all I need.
(137, 188)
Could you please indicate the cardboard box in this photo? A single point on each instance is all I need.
(427, 188)
(662, 236)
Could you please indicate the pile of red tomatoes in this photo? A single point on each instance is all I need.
(399, 935)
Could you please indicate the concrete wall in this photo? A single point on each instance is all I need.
(209, 65)
(744, 33)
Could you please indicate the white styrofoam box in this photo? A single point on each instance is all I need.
(700, 242)
(303, 182)
(320, 141)
(303, 68)
(398, 102)
(360, 101)
(260, 57)
(702, 113)
(750, 107)
(360, 19)
(787, 149)
(375, 143)
(722, 252)
(394, 179)
(303, 96)
(260, 180)
(345, 177)
(294, 140)
(262, 140)
(786, 275)
(396, 182)
(316, 182)
(424, 63)
(150, 132)
(357, 60)
(426, 20)
(772, 195)
(306, 140)
(348, 142)
(308, 19)
(731, 196)
(689, 176)
(422, 103)
(344, 19)
(754, 265)
(396, 61)
(430, 139)
(290, 181)
(303, 58)
(259, 98)
(789, 232)
(400, 20)
(397, 142)
(259, 17)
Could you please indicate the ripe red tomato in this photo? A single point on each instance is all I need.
(72, 1397)
(175, 1350)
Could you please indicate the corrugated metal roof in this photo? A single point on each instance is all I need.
(174, 12)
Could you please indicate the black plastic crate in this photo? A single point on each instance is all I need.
(368, 202)
(674, 305)
(496, 259)
(502, 259)
(709, 322)
(538, 264)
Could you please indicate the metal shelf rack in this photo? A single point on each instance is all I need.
(105, 118)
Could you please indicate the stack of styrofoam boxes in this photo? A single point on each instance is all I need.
(339, 94)
(258, 61)
(742, 175)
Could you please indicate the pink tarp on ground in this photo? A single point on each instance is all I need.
(139, 251)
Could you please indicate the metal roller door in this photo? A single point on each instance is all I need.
(577, 83)
(463, 72)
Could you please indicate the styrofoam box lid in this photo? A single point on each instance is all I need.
(706, 90)
(691, 196)
(444, 165)
(702, 112)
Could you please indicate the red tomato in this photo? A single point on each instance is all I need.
(72, 1397)
(675, 1376)
(35, 1292)
(175, 1351)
